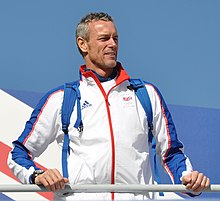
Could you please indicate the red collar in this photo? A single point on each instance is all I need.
(122, 74)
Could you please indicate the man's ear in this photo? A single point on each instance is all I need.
(82, 44)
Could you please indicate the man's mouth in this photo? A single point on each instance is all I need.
(111, 55)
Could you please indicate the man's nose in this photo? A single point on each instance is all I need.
(113, 42)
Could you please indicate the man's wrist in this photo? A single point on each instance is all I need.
(34, 175)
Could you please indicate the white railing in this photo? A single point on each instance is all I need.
(98, 188)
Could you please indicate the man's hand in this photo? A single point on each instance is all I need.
(196, 181)
(52, 180)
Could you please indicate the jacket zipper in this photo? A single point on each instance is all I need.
(110, 125)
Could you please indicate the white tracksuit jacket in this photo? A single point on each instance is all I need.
(113, 146)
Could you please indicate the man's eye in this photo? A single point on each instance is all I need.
(103, 39)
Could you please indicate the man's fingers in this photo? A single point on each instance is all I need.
(66, 180)
(205, 183)
(50, 183)
(197, 182)
(57, 179)
(41, 180)
(52, 180)
(186, 180)
(189, 179)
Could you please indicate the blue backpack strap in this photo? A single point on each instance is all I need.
(141, 92)
(71, 95)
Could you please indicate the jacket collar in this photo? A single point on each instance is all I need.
(89, 76)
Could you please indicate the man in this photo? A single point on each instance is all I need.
(113, 146)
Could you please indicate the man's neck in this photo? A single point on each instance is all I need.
(110, 77)
(101, 78)
(102, 72)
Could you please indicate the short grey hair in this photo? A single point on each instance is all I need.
(82, 29)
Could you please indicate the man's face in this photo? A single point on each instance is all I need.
(102, 47)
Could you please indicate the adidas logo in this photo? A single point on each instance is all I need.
(85, 105)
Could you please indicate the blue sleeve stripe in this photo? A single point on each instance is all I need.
(21, 157)
(30, 125)
(19, 153)
(174, 159)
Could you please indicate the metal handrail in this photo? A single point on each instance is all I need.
(103, 188)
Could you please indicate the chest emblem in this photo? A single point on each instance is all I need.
(127, 101)
(127, 98)
(85, 105)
